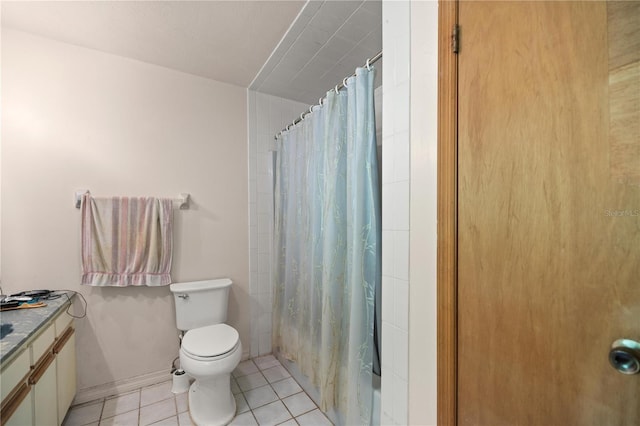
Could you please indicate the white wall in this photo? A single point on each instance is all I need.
(409, 207)
(423, 212)
(75, 118)
(395, 210)
(267, 115)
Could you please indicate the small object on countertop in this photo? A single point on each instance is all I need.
(17, 305)
(18, 298)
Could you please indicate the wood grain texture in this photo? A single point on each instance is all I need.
(623, 32)
(623, 22)
(447, 202)
(548, 272)
(624, 123)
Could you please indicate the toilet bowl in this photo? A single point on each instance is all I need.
(209, 354)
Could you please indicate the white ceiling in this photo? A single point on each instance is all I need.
(292, 48)
(326, 43)
(227, 41)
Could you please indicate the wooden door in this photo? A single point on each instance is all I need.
(549, 211)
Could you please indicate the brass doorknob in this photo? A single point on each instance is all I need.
(624, 356)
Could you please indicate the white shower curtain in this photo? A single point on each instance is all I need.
(328, 247)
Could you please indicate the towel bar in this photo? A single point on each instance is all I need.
(182, 200)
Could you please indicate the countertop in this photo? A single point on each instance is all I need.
(17, 326)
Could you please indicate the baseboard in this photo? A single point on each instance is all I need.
(121, 386)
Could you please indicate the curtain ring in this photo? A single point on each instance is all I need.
(336, 88)
(302, 116)
(344, 81)
(320, 101)
(310, 109)
(368, 67)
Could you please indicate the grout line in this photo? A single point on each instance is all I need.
(139, 405)
(254, 417)
(243, 393)
(101, 410)
(288, 411)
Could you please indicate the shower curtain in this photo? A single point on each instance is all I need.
(328, 247)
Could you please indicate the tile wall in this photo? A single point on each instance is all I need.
(396, 37)
(267, 115)
(424, 206)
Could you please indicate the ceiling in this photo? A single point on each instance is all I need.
(292, 48)
(326, 43)
(227, 41)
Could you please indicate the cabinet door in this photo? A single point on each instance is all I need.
(23, 414)
(66, 371)
(44, 398)
(14, 373)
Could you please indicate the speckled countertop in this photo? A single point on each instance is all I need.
(17, 326)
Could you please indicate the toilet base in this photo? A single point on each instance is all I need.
(211, 402)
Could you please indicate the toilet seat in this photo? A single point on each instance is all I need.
(210, 342)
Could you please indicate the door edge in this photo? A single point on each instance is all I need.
(447, 267)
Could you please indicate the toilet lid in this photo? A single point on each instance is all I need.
(210, 341)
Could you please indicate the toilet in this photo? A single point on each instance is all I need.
(210, 349)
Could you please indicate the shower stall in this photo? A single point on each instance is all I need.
(262, 308)
(327, 246)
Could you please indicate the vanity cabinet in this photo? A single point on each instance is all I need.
(23, 412)
(39, 383)
(43, 388)
(65, 351)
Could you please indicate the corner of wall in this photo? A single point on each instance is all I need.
(267, 115)
(424, 202)
(395, 211)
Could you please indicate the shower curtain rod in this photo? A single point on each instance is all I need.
(370, 61)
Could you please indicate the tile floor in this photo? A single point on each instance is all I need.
(265, 393)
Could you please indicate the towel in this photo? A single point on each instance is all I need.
(126, 241)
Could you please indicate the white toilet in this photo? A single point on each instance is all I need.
(210, 349)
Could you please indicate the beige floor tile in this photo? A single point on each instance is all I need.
(271, 414)
(241, 404)
(185, 419)
(260, 396)
(299, 403)
(266, 361)
(171, 421)
(121, 404)
(244, 419)
(286, 387)
(125, 419)
(245, 368)
(251, 381)
(275, 374)
(84, 414)
(313, 418)
(155, 393)
(182, 402)
(159, 411)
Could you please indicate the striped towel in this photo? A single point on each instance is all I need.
(126, 241)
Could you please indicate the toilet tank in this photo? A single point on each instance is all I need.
(201, 303)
